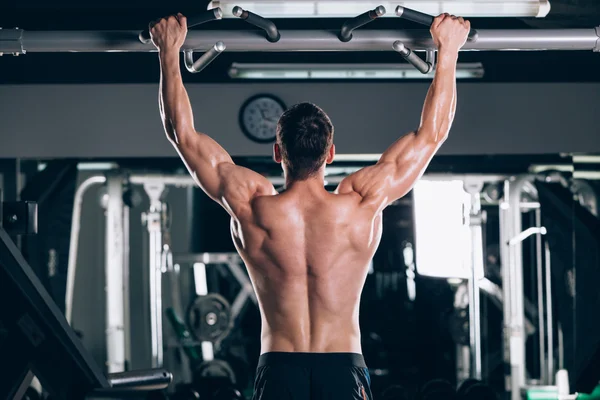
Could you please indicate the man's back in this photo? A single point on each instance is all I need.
(307, 252)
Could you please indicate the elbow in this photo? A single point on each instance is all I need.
(435, 135)
(176, 133)
(441, 136)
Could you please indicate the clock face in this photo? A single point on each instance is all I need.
(259, 116)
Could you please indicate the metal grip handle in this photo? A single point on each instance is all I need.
(425, 19)
(357, 22)
(204, 60)
(195, 20)
(154, 379)
(414, 16)
(422, 66)
(268, 26)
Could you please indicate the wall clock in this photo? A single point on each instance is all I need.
(259, 115)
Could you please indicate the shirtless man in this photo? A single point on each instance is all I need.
(307, 250)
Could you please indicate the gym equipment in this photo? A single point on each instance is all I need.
(17, 41)
(208, 57)
(576, 301)
(38, 341)
(53, 190)
(269, 27)
(195, 20)
(425, 19)
(426, 66)
(356, 22)
(19, 217)
(209, 318)
(214, 370)
(214, 376)
(183, 335)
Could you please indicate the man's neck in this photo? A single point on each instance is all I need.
(316, 181)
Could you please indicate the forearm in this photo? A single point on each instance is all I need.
(440, 103)
(175, 107)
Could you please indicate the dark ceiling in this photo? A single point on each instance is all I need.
(500, 66)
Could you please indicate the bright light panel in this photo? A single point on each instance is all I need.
(344, 8)
(442, 234)
(343, 71)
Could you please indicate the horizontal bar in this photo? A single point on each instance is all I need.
(296, 40)
(206, 258)
(142, 380)
(527, 233)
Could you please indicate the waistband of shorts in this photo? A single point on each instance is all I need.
(310, 360)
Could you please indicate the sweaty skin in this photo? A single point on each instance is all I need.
(307, 251)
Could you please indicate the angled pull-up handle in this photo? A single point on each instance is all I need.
(204, 60)
(256, 20)
(425, 19)
(356, 22)
(423, 66)
(194, 20)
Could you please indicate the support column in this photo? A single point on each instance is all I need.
(115, 273)
(154, 223)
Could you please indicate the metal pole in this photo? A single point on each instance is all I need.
(153, 220)
(540, 294)
(475, 221)
(506, 277)
(19, 41)
(463, 352)
(114, 270)
(512, 281)
(126, 305)
(549, 318)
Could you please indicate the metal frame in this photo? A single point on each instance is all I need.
(116, 269)
(512, 236)
(475, 225)
(18, 41)
(234, 262)
(511, 252)
(153, 220)
(199, 262)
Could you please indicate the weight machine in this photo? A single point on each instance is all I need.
(515, 196)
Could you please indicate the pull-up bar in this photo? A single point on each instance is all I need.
(20, 41)
(349, 38)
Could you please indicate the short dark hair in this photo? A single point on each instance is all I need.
(304, 135)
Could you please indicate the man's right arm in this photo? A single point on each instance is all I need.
(403, 163)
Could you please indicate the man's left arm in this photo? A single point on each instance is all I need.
(208, 163)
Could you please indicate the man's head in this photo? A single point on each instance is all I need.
(304, 141)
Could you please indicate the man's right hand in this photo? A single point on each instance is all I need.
(169, 33)
(449, 32)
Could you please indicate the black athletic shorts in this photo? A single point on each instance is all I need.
(312, 376)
